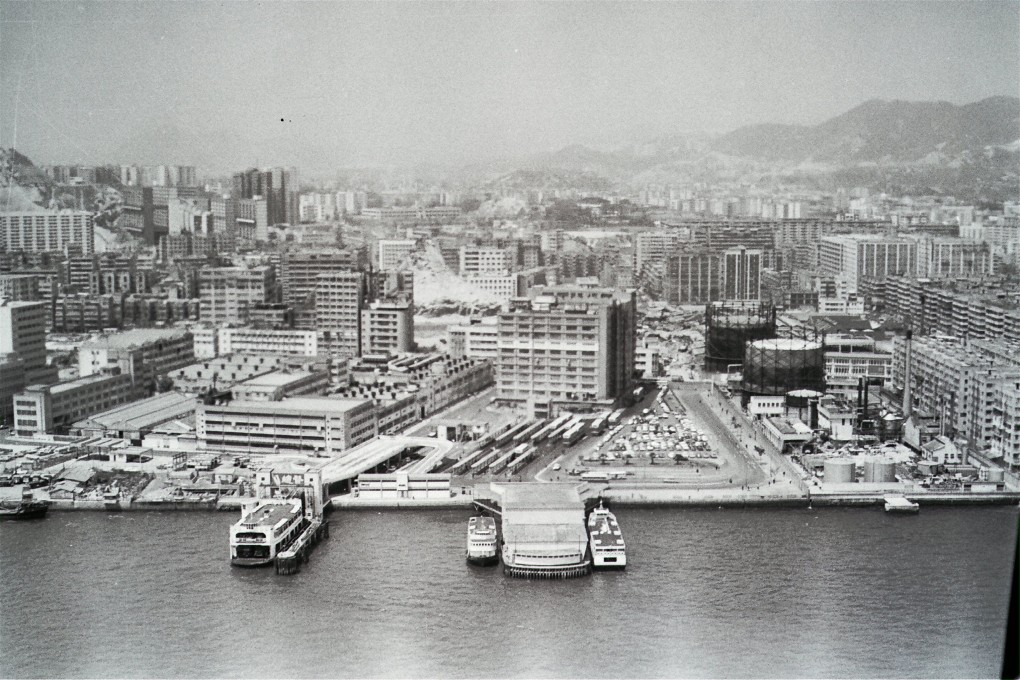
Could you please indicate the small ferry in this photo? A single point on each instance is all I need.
(608, 550)
(900, 504)
(26, 508)
(265, 531)
(481, 541)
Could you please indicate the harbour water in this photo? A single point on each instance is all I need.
(835, 592)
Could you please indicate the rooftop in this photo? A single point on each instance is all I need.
(541, 497)
(299, 405)
(276, 379)
(134, 338)
(61, 387)
(270, 514)
(143, 413)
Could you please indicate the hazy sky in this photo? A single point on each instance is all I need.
(427, 81)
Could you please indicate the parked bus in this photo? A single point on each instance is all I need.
(525, 434)
(482, 463)
(572, 435)
(598, 425)
(504, 438)
(500, 463)
(614, 418)
(549, 429)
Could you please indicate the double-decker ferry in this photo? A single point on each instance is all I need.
(607, 547)
(265, 531)
(481, 541)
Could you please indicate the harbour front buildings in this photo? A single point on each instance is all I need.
(567, 346)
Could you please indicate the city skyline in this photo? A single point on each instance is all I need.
(378, 84)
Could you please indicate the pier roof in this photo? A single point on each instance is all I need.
(541, 497)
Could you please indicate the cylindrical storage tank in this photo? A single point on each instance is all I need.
(728, 330)
(883, 471)
(839, 471)
(782, 365)
(868, 470)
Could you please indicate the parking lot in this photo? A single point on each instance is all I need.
(670, 437)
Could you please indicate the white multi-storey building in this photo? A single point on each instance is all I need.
(339, 297)
(485, 260)
(284, 342)
(47, 230)
(477, 341)
(960, 381)
(392, 253)
(321, 426)
(228, 293)
(859, 256)
(23, 332)
(387, 327)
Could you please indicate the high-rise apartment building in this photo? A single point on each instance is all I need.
(228, 293)
(485, 260)
(387, 327)
(299, 272)
(47, 230)
(567, 346)
(19, 287)
(392, 252)
(861, 256)
(339, 297)
(960, 382)
(741, 274)
(279, 188)
(655, 246)
(252, 219)
(23, 333)
(693, 278)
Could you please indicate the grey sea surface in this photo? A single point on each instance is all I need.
(833, 592)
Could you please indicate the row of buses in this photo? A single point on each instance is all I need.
(517, 445)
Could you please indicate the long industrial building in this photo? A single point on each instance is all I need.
(320, 426)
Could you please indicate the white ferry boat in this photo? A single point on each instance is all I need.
(900, 504)
(265, 531)
(481, 541)
(607, 547)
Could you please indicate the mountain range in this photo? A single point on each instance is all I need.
(970, 151)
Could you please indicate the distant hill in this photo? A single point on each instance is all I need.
(970, 151)
(22, 185)
(882, 131)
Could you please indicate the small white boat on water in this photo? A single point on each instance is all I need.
(481, 541)
(900, 504)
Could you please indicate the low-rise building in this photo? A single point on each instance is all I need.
(321, 426)
(267, 341)
(783, 432)
(837, 415)
(134, 420)
(277, 385)
(54, 408)
(227, 371)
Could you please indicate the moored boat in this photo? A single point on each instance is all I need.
(26, 508)
(900, 504)
(265, 530)
(608, 550)
(481, 541)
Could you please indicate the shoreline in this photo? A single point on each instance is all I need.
(633, 499)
